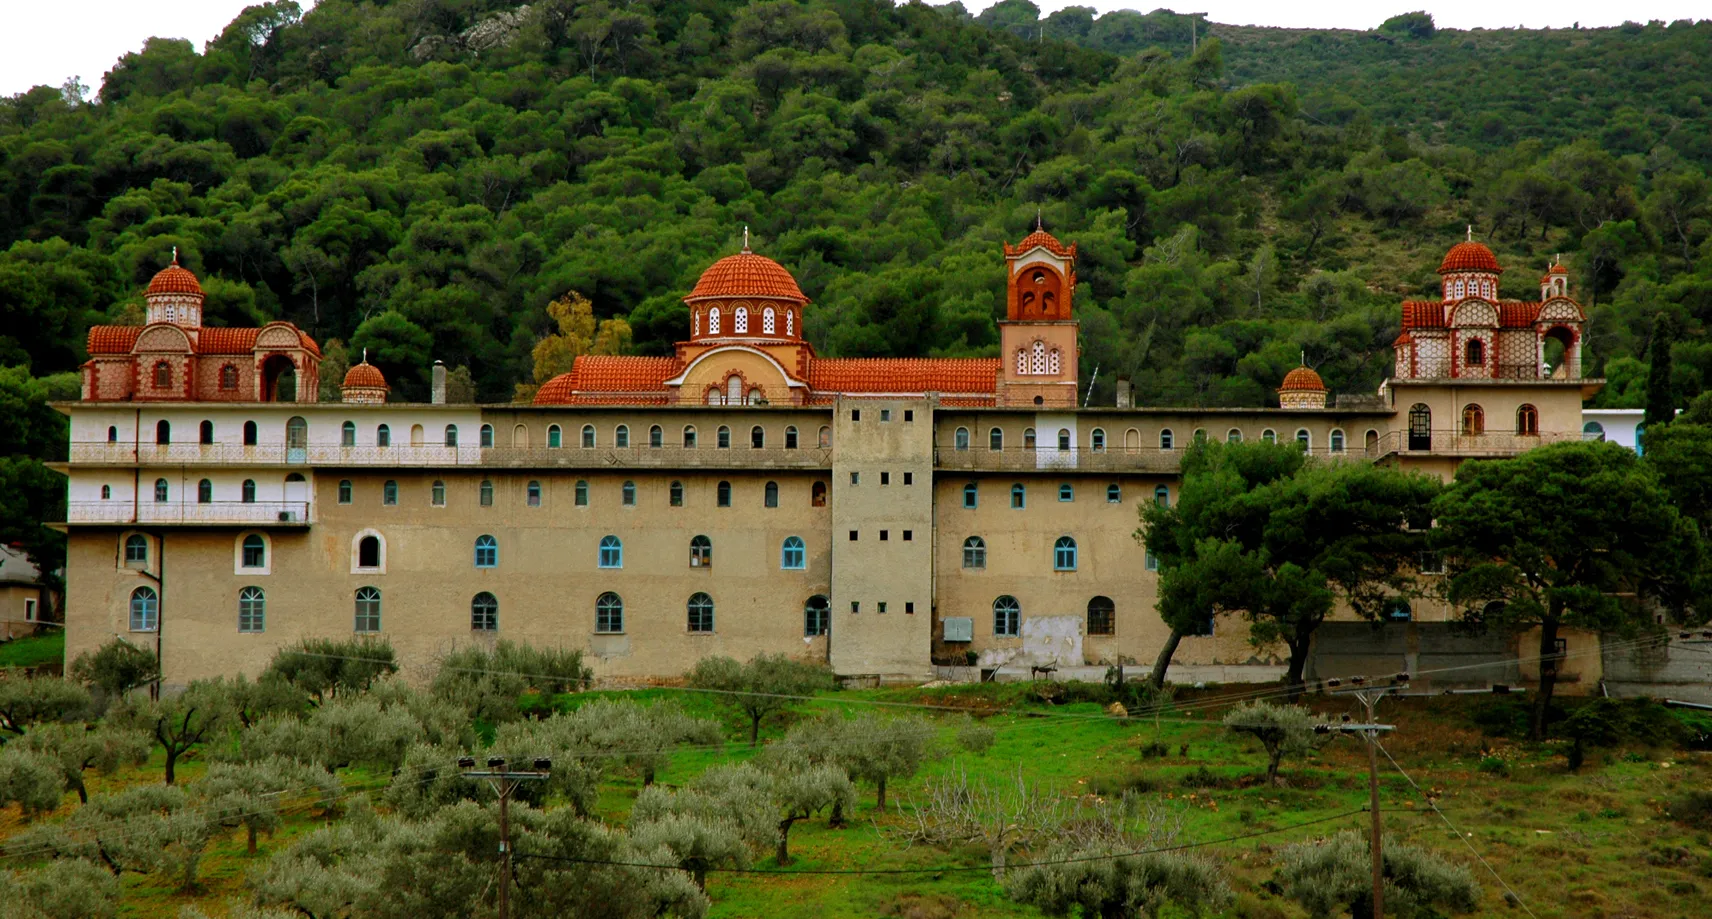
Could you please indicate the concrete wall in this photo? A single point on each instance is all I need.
(1681, 669)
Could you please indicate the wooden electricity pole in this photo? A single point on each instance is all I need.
(505, 781)
(1370, 730)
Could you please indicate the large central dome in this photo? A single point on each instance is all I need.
(746, 275)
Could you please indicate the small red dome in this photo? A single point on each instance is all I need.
(1302, 379)
(1469, 256)
(747, 275)
(365, 375)
(1042, 238)
(1557, 268)
(174, 279)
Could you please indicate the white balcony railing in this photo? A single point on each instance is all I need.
(110, 453)
(212, 513)
(1456, 443)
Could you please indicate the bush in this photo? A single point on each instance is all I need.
(1155, 749)
(493, 683)
(326, 667)
(116, 668)
(976, 736)
(1202, 777)
(1492, 765)
(1612, 722)
(1333, 877)
(1693, 808)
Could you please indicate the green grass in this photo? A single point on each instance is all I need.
(34, 650)
(1594, 844)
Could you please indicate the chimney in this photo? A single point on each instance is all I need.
(439, 385)
(1126, 395)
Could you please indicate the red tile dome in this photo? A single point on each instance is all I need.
(1042, 238)
(1469, 256)
(747, 275)
(1302, 379)
(174, 279)
(365, 375)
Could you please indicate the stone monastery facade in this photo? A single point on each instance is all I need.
(743, 495)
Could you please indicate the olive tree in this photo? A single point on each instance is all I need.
(29, 779)
(1332, 877)
(489, 681)
(869, 747)
(1284, 730)
(145, 829)
(60, 889)
(799, 794)
(179, 722)
(250, 794)
(766, 685)
(76, 749)
(1108, 882)
(324, 668)
(28, 701)
(116, 668)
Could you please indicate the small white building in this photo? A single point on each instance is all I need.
(1617, 425)
(21, 594)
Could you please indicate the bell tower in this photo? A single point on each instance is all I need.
(1037, 339)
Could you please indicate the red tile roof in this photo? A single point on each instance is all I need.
(226, 341)
(367, 375)
(113, 339)
(747, 275)
(120, 339)
(308, 343)
(1041, 238)
(1516, 315)
(1470, 256)
(1302, 379)
(174, 280)
(605, 378)
(1423, 314)
(904, 375)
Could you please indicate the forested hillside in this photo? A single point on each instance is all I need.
(421, 177)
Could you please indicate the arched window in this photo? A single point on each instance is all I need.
(252, 610)
(348, 434)
(254, 552)
(971, 495)
(713, 321)
(1397, 610)
(701, 552)
(817, 495)
(344, 491)
(1066, 492)
(368, 552)
(1007, 617)
(817, 616)
(995, 439)
(248, 491)
(793, 556)
(1165, 439)
(1114, 494)
(757, 437)
(768, 323)
(1028, 438)
(161, 491)
(1420, 427)
(656, 437)
(790, 322)
(136, 550)
(555, 436)
(1269, 436)
(1102, 616)
(1371, 442)
(163, 375)
(484, 613)
(1200, 435)
(204, 491)
(486, 436)
(451, 435)
(1161, 496)
(1019, 496)
(532, 493)
(628, 494)
(368, 610)
(484, 492)
(611, 552)
(107, 492)
(1527, 420)
(1098, 439)
(734, 390)
(1474, 353)
(1473, 419)
(1064, 439)
(689, 436)
(700, 610)
(722, 438)
(771, 495)
(723, 494)
(487, 552)
(621, 436)
(437, 493)
(961, 439)
(676, 493)
(975, 553)
(1337, 440)
(609, 613)
(588, 437)
(145, 609)
(1593, 430)
(740, 321)
(163, 432)
(1064, 554)
(1233, 436)
(1305, 439)
(389, 492)
(383, 436)
(581, 492)
(790, 437)
(825, 438)
(205, 430)
(112, 434)
(228, 377)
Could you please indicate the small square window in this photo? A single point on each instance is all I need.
(855, 415)
(908, 534)
(852, 535)
(885, 478)
(881, 605)
(909, 607)
(909, 478)
(855, 478)
(909, 414)
(885, 414)
(855, 606)
(884, 534)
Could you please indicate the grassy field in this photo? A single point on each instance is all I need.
(1596, 844)
(33, 651)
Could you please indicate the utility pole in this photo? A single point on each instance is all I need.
(1370, 730)
(505, 781)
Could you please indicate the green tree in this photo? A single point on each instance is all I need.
(26, 701)
(201, 713)
(61, 889)
(766, 685)
(31, 780)
(326, 668)
(75, 749)
(491, 681)
(1284, 730)
(116, 668)
(1661, 388)
(1519, 556)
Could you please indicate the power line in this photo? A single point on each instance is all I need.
(948, 869)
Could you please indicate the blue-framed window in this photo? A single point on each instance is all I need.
(487, 552)
(1064, 554)
(611, 552)
(793, 556)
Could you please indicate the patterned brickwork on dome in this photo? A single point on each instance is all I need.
(1042, 238)
(1470, 256)
(174, 279)
(365, 375)
(903, 375)
(1302, 379)
(747, 275)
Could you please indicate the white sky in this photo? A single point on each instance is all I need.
(43, 42)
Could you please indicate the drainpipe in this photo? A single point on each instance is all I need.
(160, 608)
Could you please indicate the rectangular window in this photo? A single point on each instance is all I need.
(855, 414)
(852, 535)
(881, 605)
(909, 414)
(909, 478)
(389, 492)
(344, 491)
(855, 478)
(885, 478)
(908, 535)
(885, 414)
(29, 610)
(884, 534)
(1152, 561)
(1432, 563)
(909, 608)
(855, 606)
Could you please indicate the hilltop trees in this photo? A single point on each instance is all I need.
(767, 684)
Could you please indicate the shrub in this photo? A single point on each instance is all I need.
(326, 667)
(1202, 777)
(976, 736)
(1333, 877)
(491, 681)
(1693, 808)
(1611, 722)
(116, 668)
(1492, 765)
(1155, 749)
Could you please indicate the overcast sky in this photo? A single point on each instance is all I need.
(47, 41)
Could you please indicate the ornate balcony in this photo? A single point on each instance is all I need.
(1454, 443)
(662, 457)
(212, 513)
(1034, 459)
(105, 453)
